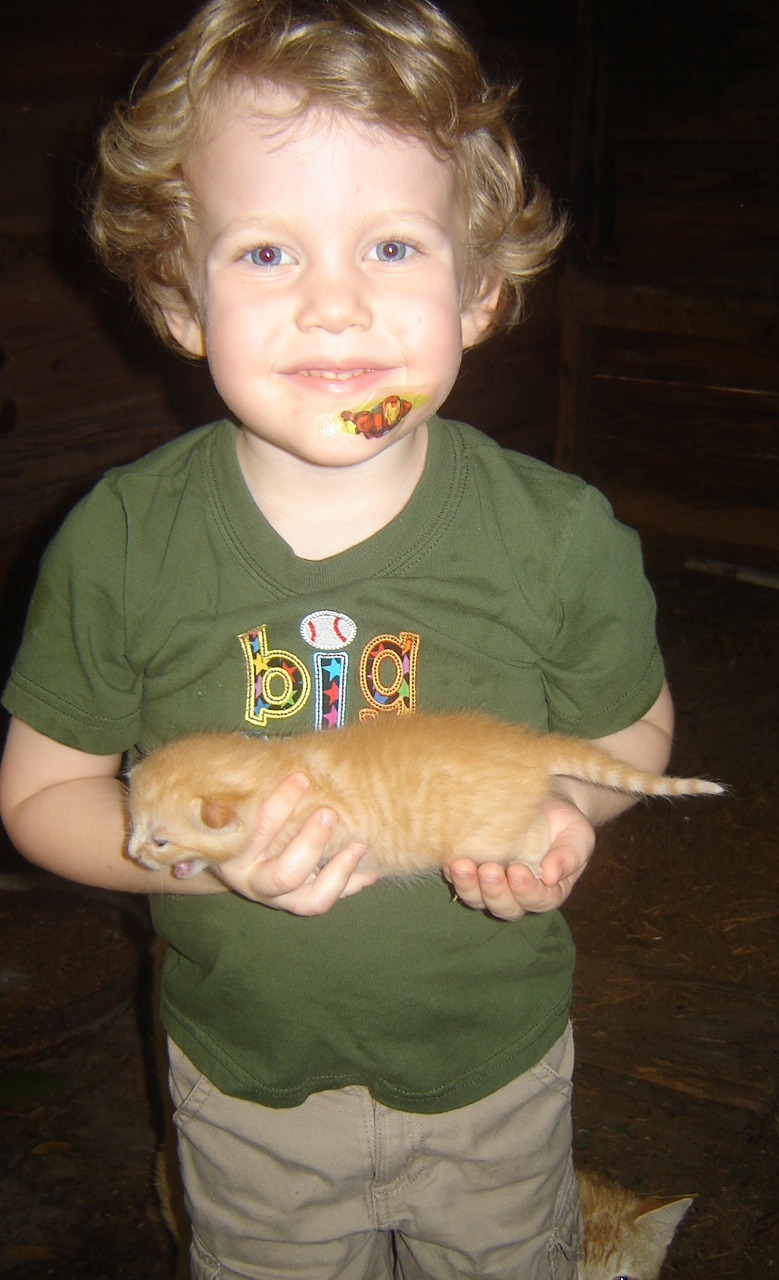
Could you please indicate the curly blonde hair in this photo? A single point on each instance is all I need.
(401, 64)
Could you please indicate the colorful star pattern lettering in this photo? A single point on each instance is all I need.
(279, 683)
(330, 670)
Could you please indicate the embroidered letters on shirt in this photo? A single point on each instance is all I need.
(279, 683)
(393, 689)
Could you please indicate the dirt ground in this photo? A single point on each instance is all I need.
(677, 927)
(676, 1004)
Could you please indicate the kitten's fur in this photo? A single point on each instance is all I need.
(625, 1238)
(417, 790)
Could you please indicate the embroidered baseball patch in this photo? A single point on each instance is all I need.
(328, 630)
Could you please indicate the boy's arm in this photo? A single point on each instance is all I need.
(508, 892)
(64, 810)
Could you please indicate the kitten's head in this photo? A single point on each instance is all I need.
(625, 1237)
(186, 833)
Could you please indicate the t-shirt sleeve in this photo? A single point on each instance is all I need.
(72, 680)
(603, 669)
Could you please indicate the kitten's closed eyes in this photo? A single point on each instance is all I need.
(416, 790)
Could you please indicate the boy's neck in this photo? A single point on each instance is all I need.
(322, 511)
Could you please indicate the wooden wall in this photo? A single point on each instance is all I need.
(670, 378)
(81, 385)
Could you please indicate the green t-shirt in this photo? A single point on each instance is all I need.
(168, 604)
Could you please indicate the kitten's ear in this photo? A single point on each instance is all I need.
(217, 812)
(661, 1221)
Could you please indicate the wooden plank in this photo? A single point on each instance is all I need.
(709, 422)
(695, 246)
(76, 402)
(602, 302)
(678, 1033)
(706, 522)
(746, 1096)
(712, 1115)
(574, 393)
(643, 415)
(690, 444)
(508, 386)
(682, 360)
(588, 122)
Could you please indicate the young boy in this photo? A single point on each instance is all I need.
(325, 202)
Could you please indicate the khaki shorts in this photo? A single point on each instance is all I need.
(343, 1188)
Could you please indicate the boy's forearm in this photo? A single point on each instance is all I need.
(77, 830)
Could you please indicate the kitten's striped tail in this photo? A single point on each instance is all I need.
(604, 771)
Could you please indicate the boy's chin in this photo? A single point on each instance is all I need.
(330, 440)
(341, 450)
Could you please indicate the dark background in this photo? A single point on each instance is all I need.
(648, 363)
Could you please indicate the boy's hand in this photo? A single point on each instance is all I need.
(509, 892)
(290, 881)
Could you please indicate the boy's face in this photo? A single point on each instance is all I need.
(329, 261)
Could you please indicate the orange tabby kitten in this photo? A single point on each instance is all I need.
(416, 790)
(625, 1238)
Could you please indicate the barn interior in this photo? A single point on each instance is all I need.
(647, 363)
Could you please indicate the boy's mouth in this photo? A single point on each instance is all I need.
(356, 380)
(339, 377)
(334, 375)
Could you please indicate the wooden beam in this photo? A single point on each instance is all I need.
(596, 301)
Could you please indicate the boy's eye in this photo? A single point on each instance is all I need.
(268, 255)
(391, 250)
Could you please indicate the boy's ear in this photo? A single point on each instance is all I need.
(186, 329)
(477, 318)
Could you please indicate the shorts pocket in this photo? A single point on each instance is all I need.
(202, 1264)
(189, 1087)
(565, 1246)
(555, 1070)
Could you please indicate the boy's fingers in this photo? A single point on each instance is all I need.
(264, 879)
(484, 888)
(279, 806)
(337, 879)
(360, 880)
(532, 893)
(497, 893)
(463, 878)
(506, 892)
(295, 864)
(572, 843)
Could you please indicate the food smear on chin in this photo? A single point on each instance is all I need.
(380, 419)
(372, 421)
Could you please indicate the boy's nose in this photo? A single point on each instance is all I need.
(334, 300)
